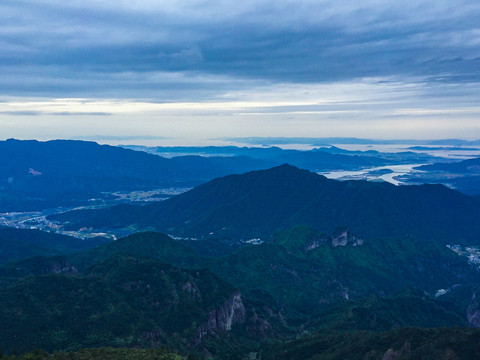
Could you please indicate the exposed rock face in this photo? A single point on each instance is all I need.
(315, 243)
(473, 311)
(390, 354)
(231, 312)
(343, 237)
(56, 267)
(259, 327)
(192, 289)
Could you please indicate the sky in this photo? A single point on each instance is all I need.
(191, 72)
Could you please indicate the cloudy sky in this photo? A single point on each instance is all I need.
(151, 70)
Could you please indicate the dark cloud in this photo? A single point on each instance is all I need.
(109, 48)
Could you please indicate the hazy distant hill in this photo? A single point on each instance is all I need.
(36, 175)
(462, 175)
(259, 203)
(471, 166)
(317, 159)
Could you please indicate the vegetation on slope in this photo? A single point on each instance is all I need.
(398, 344)
(16, 244)
(259, 203)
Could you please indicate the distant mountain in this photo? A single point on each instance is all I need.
(36, 175)
(16, 244)
(318, 159)
(349, 140)
(462, 175)
(259, 203)
(471, 166)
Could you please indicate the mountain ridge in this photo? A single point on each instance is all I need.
(259, 203)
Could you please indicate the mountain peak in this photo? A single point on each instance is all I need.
(260, 203)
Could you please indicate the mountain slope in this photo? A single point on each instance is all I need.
(471, 166)
(16, 244)
(299, 274)
(303, 282)
(462, 175)
(259, 203)
(396, 344)
(122, 301)
(35, 175)
(123, 294)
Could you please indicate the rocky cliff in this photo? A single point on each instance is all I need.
(230, 313)
(343, 237)
(473, 310)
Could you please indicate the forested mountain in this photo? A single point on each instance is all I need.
(462, 175)
(396, 344)
(37, 175)
(150, 290)
(259, 203)
(18, 244)
(123, 301)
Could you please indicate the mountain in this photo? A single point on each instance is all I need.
(471, 166)
(148, 289)
(302, 273)
(395, 344)
(16, 244)
(318, 159)
(259, 203)
(124, 301)
(463, 175)
(36, 175)
(380, 313)
(108, 353)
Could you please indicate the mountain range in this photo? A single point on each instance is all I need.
(150, 290)
(259, 203)
(462, 175)
(276, 263)
(37, 175)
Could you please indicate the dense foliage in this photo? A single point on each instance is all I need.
(122, 301)
(124, 294)
(102, 354)
(18, 244)
(398, 344)
(259, 203)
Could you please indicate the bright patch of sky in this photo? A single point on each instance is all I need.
(192, 70)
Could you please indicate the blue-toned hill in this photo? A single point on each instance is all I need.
(259, 203)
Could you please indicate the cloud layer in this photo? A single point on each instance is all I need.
(209, 51)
